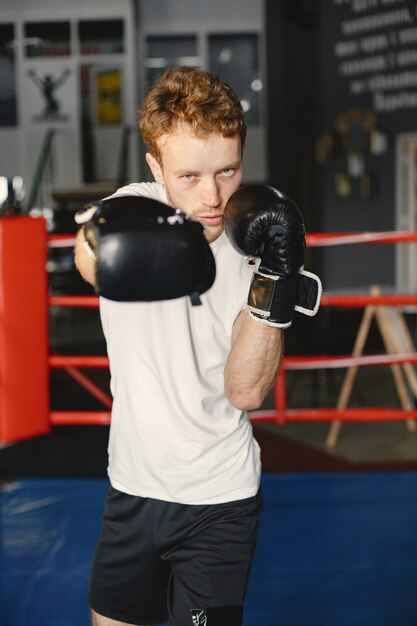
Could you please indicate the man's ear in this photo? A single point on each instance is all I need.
(155, 168)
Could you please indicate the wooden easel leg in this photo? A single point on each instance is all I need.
(396, 338)
(351, 372)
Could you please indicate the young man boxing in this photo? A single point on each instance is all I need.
(194, 331)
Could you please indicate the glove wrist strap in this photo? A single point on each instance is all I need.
(272, 299)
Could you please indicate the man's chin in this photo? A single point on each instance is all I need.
(211, 233)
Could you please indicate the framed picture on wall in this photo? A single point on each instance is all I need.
(109, 96)
(50, 92)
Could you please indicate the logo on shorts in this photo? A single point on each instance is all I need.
(199, 617)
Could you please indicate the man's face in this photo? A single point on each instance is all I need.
(199, 174)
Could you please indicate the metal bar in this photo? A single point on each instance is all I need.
(40, 167)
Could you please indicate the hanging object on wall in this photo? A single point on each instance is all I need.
(354, 138)
(50, 89)
(109, 97)
(355, 163)
(354, 127)
(343, 185)
(328, 146)
(378, 142)
(369, 186)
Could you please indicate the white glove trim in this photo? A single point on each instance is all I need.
(85, 215)
(301, 309)
(263, 319)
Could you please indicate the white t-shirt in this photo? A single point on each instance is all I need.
(174, 436)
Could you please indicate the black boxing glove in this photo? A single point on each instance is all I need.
(262, 222)
(146, 251)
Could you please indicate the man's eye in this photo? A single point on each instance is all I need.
(229, 171)
(188, 177)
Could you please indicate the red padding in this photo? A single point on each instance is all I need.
(24, 372)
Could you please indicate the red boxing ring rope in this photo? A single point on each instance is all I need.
(281, 413)
(363, 414)
(78, 361)
(80, 418)
(350, 301)
(314, 240)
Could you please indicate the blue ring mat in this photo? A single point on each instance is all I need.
(333, 550)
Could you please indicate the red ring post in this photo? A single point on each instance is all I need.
(24, 373)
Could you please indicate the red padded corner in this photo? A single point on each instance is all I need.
(24, 372)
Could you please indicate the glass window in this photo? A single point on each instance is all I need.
(101, 36)
(169, 51)
(8, 105)
(235, 59)
(45, 39)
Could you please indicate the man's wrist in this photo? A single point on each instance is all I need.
(90, 242)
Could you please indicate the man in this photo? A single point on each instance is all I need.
(181, 516)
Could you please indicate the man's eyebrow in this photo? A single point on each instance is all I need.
(230, 166)
(184, 171)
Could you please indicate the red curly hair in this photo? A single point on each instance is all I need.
(199, 99)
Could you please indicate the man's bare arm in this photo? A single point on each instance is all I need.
(84, 259)
(253, 361)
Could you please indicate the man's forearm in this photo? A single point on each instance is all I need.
(84, 261)
(253, 361)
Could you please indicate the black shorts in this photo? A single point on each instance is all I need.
(160, 560)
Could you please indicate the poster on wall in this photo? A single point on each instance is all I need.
(50, 93)
(109, 97)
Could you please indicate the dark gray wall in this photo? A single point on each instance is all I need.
(292, 49)
(313, 78)
(292, 55)
(383, 36)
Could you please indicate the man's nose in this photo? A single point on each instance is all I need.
(210, 193)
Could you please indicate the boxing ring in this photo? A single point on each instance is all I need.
(334, 548)
(400, 353)
(374, 304)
